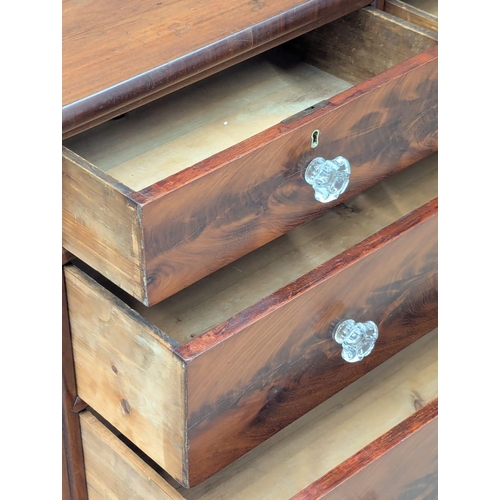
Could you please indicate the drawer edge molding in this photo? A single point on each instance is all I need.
(411, 445)
(305, 283)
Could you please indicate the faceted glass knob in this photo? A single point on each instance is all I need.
(329, 178)
(357, 339)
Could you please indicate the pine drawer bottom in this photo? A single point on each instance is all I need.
(377, 438)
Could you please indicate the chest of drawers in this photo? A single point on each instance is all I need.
(232, 267)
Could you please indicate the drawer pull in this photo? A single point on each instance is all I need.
(329, 178)
(357, 339)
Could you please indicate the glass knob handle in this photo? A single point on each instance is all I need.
(357, 339)
(329, 178)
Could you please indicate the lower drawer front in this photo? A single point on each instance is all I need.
(196, 403)
(375, 439)
(192, 182)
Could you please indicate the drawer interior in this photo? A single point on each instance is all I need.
(296, 456)
(186, 127)
(429, 6)
(213, 300)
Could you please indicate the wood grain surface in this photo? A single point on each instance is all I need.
(401, 464)
(244, 384)
(241, 198)
(345, 433)
(382, 126)
(136, 50)
(114, 345)
(114, 472)
(218, 297)
(124, 366)
(413, 14)
(74, 482)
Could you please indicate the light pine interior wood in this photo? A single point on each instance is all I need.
(293, 458)
(173, 133)
(429, 6)
(167, 136)
(122, 367)
(237, 286)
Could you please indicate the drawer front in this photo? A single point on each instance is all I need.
(236, 385)
(422, 14)
(377, 438)
(256, 381)
(160, 239)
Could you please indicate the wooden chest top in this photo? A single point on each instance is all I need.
(116, 53)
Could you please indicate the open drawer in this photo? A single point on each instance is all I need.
(208, 374)
(423, 13)
(171, 192)
(375, 439)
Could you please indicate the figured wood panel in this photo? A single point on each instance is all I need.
(332, 433)
(119, 52)
(388, 405)
(401, 464)
(101, 224)
(252, 193)
(74, 482)
(114, 471)
(412, 14)
(267, 366)
(215, 299)
(127, 371)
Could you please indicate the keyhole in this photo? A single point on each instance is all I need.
(314, 139)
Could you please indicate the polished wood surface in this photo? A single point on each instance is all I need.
(235, 214)
(74, 482)
(401, 464)
(243, 197)
(123, 363)
(374, 413)
(413, 14)
(245, 385)
(137, 50)
(251, 279)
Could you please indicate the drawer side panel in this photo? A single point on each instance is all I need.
(101, 224)
(127, 372)
(114, 471)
